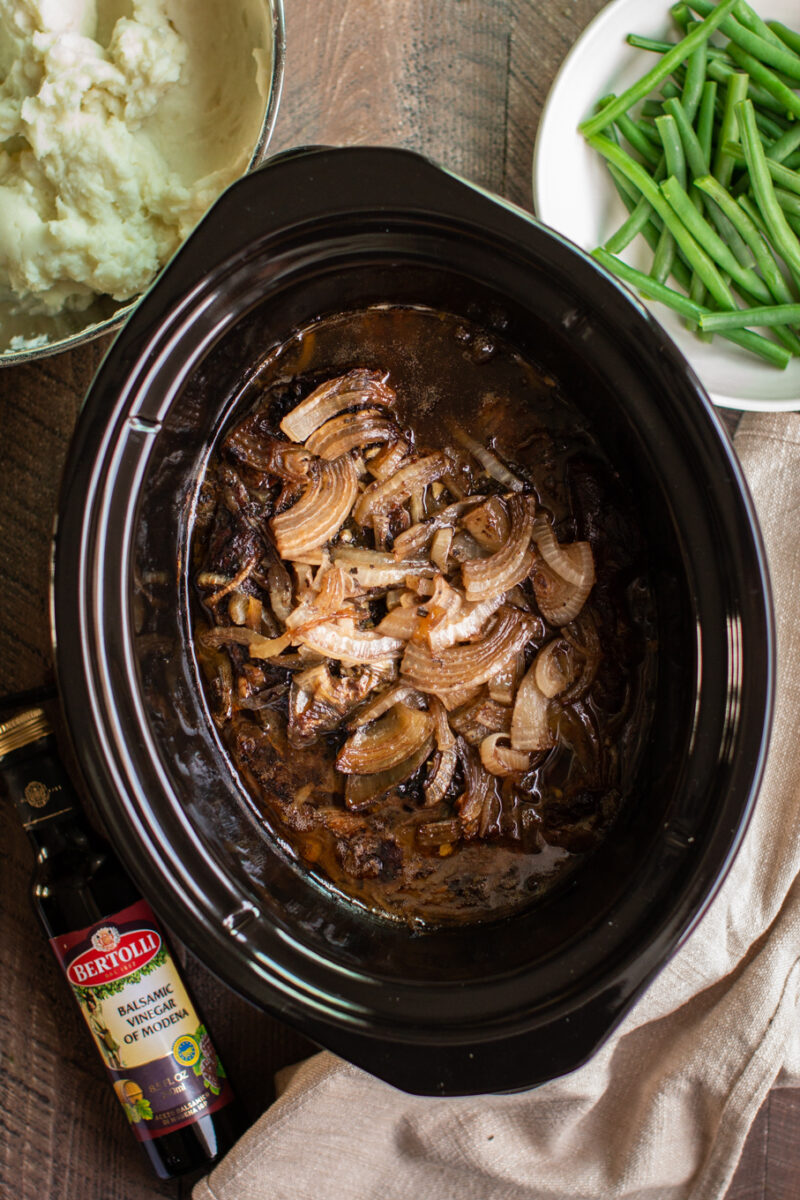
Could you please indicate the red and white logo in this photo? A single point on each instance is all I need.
(113, 955)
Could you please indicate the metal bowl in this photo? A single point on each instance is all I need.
(105, 315)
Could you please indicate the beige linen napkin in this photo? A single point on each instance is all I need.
(662, 1110)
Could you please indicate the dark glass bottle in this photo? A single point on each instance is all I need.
(160, 1059)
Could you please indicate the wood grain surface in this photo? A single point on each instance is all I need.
(462, 81)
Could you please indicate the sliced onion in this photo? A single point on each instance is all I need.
(232, 584)
(358, 387)
(334, 591)
(573, 563)
(479, 789)
(380, 497)
(362, 790)
(489, 523)
(320, 512)
(475, 720)
(398, 693)
(401, 622)
(556, 667)
(377, 568)
(499, 759)
(443, 765)
(510, 564)
(503, 686)
(384, 743)
(456, 697)
(559, 602)
(279, 586)
(269, 647)
(469, 665)
(491, 464)
(351, 431)
(440, 547)
(464, 624)
(384, 464)
(341, 640)
(530, 727)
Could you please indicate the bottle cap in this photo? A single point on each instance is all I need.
(26, 727)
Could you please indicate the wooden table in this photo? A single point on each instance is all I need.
(464, 82)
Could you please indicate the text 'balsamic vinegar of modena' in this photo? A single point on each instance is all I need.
(158, 1054)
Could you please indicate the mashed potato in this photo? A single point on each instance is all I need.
(108, 152)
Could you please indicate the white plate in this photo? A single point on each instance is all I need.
(574, 194)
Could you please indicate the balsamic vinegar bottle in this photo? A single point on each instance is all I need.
(159, 1057)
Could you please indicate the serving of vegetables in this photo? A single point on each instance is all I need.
(704, 150)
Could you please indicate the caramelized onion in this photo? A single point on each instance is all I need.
(384, 743)
(341, 640)
(413, 539)
(555, 667)
(331, 599)
(440, 547)
(480, 717)
(351, 431)
(380, 497)
(358, 387)
(398, 693)
(250, 444)
(488, 523)
(502, 759)
(377, 568)
(530, 727)
(508, 565)
(387, 461)
(478, 792)
(463, 624)
(471, 664)
(573, 563)
(559, 602)
(443, 765)
(491, 464)
(362, 790)
(401, 622)
(320, 512)
(434, 834)
(503, 686)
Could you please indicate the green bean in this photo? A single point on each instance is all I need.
(657, 74)
(646, 43)
(705, 117)
(697, 162)
(764, 50)
(687, 308)
(729, 127)
(674, 158)
(721, 70)
(789, 202)
(694, 79)
(633, 224)
(788, 99)
(634, 136)
(785, 144)
(781, 234)
(784, 176)
(664, 256)
(748, 230)
(750, 18)
(711, 241)
(697, 258)
(681, 15)
(788, 36)
(744, 318)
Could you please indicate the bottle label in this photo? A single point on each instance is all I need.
(163, 1065)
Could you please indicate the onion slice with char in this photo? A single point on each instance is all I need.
(574, 563)
(556, 667)
(443, 765)
(357, 387)
(386, 742)
(363, 790)
(380, 497)
(320, 512)
(464, 624)
(417, 536)
(488, 523)
(508, 565)
(378, 568)
(351, 431)
(559, 602)
(468, 665)
(396, 694)
(490, 462)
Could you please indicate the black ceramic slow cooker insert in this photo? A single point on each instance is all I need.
(489, 1007)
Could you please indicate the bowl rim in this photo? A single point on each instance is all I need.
(12, 358)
